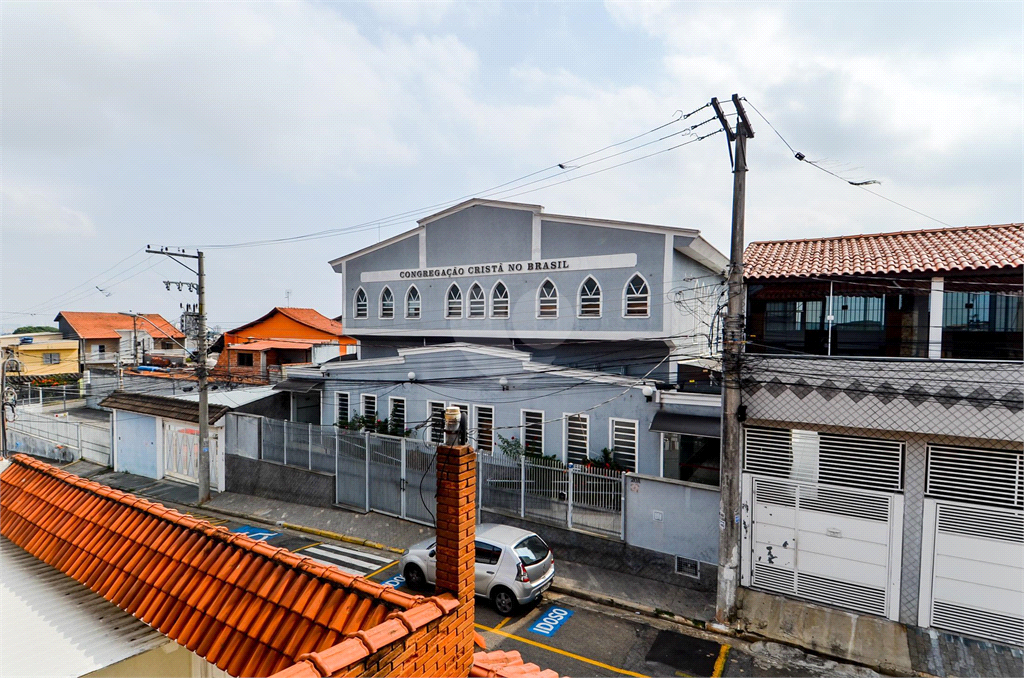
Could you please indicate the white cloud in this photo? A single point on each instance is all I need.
(412, 12)
(36, 211)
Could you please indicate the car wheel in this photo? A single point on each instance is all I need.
(504, 601)
(414, 577)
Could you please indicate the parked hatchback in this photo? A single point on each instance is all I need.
(513, 566)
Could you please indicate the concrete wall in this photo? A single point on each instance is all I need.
(673, 517)
(23, 443)
(276, 481)
(137, 444)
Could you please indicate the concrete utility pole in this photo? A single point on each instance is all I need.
(200, 361)
(730, 532)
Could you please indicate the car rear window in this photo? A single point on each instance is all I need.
(532, 550)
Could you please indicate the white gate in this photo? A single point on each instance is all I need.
(181, 454)
(972, 565)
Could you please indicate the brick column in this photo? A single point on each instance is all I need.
(456, 521)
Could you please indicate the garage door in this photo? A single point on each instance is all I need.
(973, 549)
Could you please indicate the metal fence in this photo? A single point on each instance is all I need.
(57, 437)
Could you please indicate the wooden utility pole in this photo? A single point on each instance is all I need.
(730, 532)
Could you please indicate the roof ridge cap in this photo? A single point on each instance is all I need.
(854, 236)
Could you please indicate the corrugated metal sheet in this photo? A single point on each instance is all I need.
(54, 626)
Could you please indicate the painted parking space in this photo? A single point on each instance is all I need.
(550, 621)
(257, 533)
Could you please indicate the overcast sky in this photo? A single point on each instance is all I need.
(199, 124)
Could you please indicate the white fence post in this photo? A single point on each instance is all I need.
(522, 486)
(78, 427)
(401, 483)
(568, 514)
(337, 496)
(285, 436)
(309, 447)
(622, 515)
(479, 485)
(366, 476)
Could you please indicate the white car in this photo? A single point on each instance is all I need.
(513, 566)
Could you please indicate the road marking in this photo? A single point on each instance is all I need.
(720, 662)
(347, 560)
(386, 567)
(257, 533)
(502, 623)
(551, 621)
(307, 546)
(585, 660)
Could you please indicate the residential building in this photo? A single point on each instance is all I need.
(40, 354)
(112, 339)
(569, 311)
(284, 336)
(883, 467)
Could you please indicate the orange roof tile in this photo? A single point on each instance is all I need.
(306, 316)
(506, 665)
(88, 325)
(936, 250)
(244, 605)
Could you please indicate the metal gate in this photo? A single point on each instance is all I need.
(181, 455)
(400, 478)
(386, 474)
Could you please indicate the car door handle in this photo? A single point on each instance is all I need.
(489, 571)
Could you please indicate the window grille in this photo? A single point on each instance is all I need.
(533, 431)
(993, 477)
(436, 422)
(51, 358)
(485, 429)
(499, 301)
(590, 299)
(397, 414)
(688, 567)
(387, 303)
(623, 440)
(362, 306)
(369, 405)
(343, 412)
(547, 300)
(453, 307)
(477, 302)
(638, 302)
(412, 303)
(577, 438)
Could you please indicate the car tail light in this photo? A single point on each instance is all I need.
(521, 573)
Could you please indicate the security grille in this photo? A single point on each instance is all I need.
(362, 306)
(533, 431)
(436, 421)
(387, 303)
(987, 523)
(343, 411)
(485, 429)
(809, 456)
(412, 303)
(637, 297)
(369, 405)
(688, 567)
(993, 477)
(477, 302)
(547, 301)
(453, 308)
(499, 301)
(397, 413)
(590, 299)
(577, 436)
(624, 443)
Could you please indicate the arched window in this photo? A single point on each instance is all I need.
(499, 300)
(547, 300)
(387, 303)
(590, 299)
(362, 307)
(638, 297)
(412, 303)
(453, 302)
(477, 302)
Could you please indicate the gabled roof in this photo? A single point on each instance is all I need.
(935, 250)
(89, 325)
(304, 316)
(161, 406)
(244, 605)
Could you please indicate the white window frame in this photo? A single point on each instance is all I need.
(380, 304)
(557, 300)
(507, 300)
(419, 299)
(625, 297)
(469, 302)
(337, 405)
(51, 358)
(362, 404)
(636, 438)
(355, 304)
(447, 303)
(565, 435)
(579, 298)
(430, 418)
(405, 409)
(476, 427)
(522, 425)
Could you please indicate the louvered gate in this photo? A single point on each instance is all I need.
(972, 565)
(822, 526)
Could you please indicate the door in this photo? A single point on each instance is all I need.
(488, 557)
(181, 454)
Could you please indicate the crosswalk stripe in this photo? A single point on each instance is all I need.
(352, 552)
(346, 563)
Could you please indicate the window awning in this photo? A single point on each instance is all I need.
(299, 385)
(687, 424)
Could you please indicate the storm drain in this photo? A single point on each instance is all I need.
(693, 656)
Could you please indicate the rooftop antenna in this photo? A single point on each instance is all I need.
(288, 298)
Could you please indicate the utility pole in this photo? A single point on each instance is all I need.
(204, 402)
(730, 532)
(8, 396)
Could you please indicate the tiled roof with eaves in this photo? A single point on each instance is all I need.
(244, 605)
(90, 325)
(161, 406)
(936, 250)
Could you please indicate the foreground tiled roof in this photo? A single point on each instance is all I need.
(89, 325)
(161, 406)
(937, 250)
(504, 664)
(244, 605)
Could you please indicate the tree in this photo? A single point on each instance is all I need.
(28, 329)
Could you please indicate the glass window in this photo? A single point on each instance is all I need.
(397, 416)
(590, 299)
(981, 312)
(577, 435)
(532, 550)
(453, 305)
(387, 303)
(547, 300)
(638, 302)
(244, 359)
(533, 431)
(343, 413)
(623, 443)
(485, 428)
(369, 405)
(362, 307)
(783, 316)
(51, 358)
(692, 458)
(412, 303)
(477, 302)
(487, 554)
(436, 421)
(860, 312)
(499, 301)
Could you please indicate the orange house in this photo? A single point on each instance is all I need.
(284, 336)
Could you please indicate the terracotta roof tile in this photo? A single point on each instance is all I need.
(88, 325)
(936, 250)
(162, 406)
(306, 316)
(247, 607)
(506, 664)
